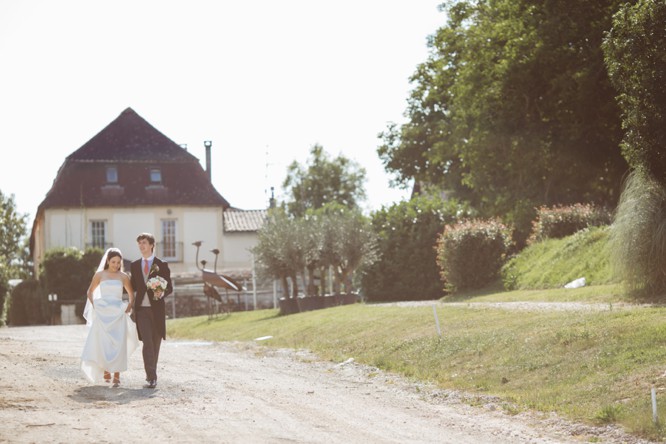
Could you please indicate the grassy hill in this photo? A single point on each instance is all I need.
(554, 262)
(595, 365)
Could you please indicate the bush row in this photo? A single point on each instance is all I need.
(561, 221)
(429, 246)
(66, 272)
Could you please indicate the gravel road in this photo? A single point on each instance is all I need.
(244, 392)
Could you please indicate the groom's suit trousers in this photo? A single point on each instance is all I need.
(151, 341)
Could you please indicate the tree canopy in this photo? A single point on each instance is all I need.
(12, 229)
(636, 61)
(323, 180)
(637, 67)
(513, 109)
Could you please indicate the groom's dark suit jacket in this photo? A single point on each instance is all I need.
(141, 291)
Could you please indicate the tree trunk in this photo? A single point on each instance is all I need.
(322, 280)
(337, 280)
(285, 286)
(294, 289)
(311, 288)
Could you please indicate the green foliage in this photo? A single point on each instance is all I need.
(67, 272)
(560, 221)
(332, 237)
(554, 262)
(471, 253)
(323, 181)
(407, 232)
(12, 230)
(636, 65)
(513, 110)
(27, 305)
(638, 238)
(278, 253)
(349, 244)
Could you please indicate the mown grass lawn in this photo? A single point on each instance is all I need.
(596, 366)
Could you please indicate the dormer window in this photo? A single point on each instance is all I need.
(155, 176)
(112, 174)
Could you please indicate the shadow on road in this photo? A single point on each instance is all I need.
(100, 395)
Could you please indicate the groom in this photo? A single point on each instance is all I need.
(148, 305)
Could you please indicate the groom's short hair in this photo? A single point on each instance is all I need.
(149, 237)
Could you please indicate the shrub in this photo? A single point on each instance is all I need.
(560, 221)
(67, 272)
(27, 304)
(470, 253)
(407, 232)
(638, 236)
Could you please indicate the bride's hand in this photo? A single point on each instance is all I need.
(128, 310)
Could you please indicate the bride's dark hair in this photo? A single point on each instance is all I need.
(111, 253)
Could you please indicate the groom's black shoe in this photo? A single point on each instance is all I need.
(151, 384)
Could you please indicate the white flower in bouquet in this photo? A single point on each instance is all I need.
(158, 285)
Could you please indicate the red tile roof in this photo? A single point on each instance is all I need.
(134, 147)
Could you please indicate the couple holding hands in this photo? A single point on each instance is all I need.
(116, 327)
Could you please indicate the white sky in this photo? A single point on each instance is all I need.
(264, 80)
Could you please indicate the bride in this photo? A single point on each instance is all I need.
(112, 335)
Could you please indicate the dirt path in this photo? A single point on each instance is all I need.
(237, 393)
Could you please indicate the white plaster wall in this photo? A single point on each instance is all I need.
(71, 228)
(236, 249)
(204, 226)
(126, 225)
(63, 229)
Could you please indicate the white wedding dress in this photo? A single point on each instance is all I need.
(112, 335)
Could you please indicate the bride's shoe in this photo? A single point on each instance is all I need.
(107, 377)
(116, 382)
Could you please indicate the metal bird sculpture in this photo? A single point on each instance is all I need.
(212, 278)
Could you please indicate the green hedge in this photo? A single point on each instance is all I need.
(561, 221)
(471, 253)
(407, 235)
(27, 305)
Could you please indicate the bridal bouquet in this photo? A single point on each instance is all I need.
(157, 283)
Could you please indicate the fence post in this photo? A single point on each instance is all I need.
(655, 418)
(434, 310)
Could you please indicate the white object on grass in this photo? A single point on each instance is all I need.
(263, 338)
(580, 282)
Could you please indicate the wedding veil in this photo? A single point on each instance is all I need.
(88, 310)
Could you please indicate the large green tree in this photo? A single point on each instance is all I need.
(513, 109)
(637, 67)
(636, 61)
(323, 180)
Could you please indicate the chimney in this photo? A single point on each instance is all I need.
(208, 144)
